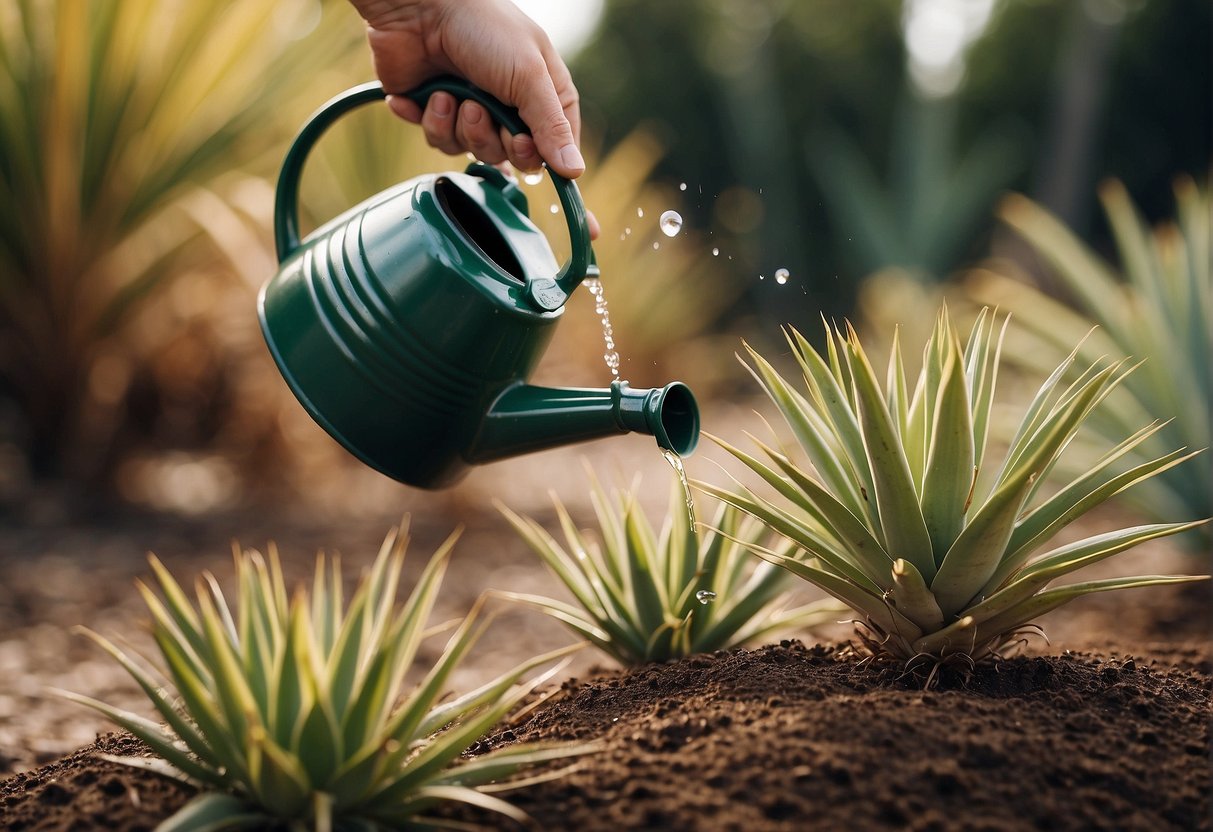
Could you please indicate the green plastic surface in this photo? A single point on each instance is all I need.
(407, 326)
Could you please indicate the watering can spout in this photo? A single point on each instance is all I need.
(526, 418)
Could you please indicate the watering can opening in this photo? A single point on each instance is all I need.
(472, 221)
(679, 419)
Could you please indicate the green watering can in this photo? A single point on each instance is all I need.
(408, 325)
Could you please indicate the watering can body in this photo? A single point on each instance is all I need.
(407, 326)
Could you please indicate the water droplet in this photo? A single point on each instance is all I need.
(533, 178)
(781, 276)
(656, 246)
(628, 231)
(762, 277)
(640, 212)
(683, 186)
(555, 209)
(623, 236)
(715, 252)
(705, 596)
(671, 223)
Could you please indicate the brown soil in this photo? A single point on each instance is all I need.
(789, 738)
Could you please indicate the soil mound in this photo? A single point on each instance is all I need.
(793, 738)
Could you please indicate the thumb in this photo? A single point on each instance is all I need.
(551, 129)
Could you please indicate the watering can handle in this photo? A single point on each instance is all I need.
(544, 293)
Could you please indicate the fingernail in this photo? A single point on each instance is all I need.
(570, 158)
(472, 114)
(442, 104)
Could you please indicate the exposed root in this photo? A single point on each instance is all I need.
(890, 652)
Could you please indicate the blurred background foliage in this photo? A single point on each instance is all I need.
(1154, 305)
(140, 139)
(134, 142)
(836, 138)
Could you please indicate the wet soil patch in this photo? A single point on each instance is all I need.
(793, 738)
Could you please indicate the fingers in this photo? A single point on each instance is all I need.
(546, 110)
(404, 108)
(523, 153)
(476, 131)
(456, 128)
(438, 122)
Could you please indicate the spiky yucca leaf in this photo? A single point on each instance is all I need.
(903, 516)
(295, 710)
(1159, 308)
(643, 596)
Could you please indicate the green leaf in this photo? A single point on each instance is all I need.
(393, 652)
(948, 479)
(426, 795)
(871, 605)
(1066, 559)
(1063, 508)
(198, 700)
(150, 733)
(317, 743)
(814, 435)
(979, 550)
(813, 542)
(181, 612)
(848, 531)
(290, 680)
(277, 778)
(1051, 599)
(402, 726)
(180, 726)
(494, 689)
(212, 812)
(913, 599)
(500, 763)
(832, 390)
(905, 531)
(580, 622)
(648, 600)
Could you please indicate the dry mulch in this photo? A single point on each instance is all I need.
(792, 738)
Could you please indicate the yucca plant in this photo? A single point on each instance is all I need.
(1159, 309)
(295, 712)
(643, 596)
(903, 515)
(937, 194)
(127, 131)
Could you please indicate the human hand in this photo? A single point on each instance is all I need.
(499, 49)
